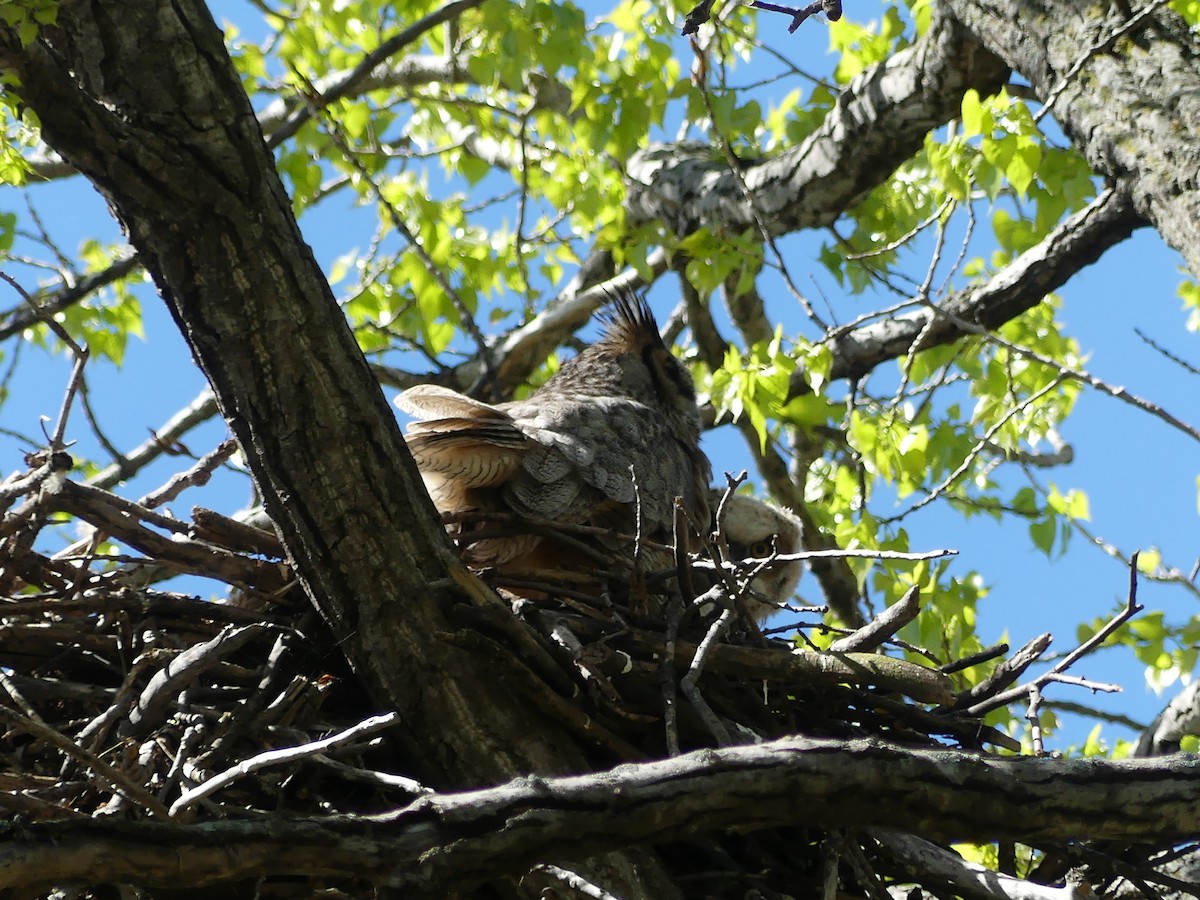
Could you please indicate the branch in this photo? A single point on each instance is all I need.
(880, 120)
(453, 842)
(1077, 242)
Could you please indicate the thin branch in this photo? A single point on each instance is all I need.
(282, 756)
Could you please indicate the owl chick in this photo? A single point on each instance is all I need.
(754, 529)
(616, 423)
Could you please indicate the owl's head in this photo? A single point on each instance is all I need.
(648, 366)
(754, 529)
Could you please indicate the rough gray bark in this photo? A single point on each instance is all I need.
(1123, 90)
(444, 843)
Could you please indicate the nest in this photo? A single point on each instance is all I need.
(122, 699)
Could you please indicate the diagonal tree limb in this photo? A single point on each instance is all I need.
(879, 121)
(1077, 242)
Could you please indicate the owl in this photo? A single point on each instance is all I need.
(754, 529)
(615, 429)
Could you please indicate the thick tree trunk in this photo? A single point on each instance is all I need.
(142, 98)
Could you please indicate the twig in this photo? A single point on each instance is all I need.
(974, 659)
(884, 625)
(576, 882)
(1178, 360)
(1132, 608)
(279, 757)
(197, 476)
(1006, 672)
(1035, 723)
(688, 684)
(831, 8)
(183, 670)
(371, 776)
(200, 410)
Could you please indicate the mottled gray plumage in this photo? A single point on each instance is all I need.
(564, 454)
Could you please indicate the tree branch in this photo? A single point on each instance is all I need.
(447, 842)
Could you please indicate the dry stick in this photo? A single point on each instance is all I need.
(884, 625)
(215, 528)
(926, 862)
(371, 776)
(200, 410)
(974, 659)
(197, 476)
(182, 671)
(719, 537)
(688, 684)
(1035, 723)
(95, 507)
(854, 554)
(1132, 608)
(674, 615)
(576, 882)
(19, 699)
(11, 490)
(279, 757)
(113, 778)
(1006, 672)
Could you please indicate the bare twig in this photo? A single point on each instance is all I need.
(280, 757)
(884, 625)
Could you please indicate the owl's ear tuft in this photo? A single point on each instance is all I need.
(630, 322)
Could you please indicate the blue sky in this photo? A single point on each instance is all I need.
(1139, 474)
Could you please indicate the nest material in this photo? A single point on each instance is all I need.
(121, 699)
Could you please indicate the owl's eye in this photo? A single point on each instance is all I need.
(762, 549)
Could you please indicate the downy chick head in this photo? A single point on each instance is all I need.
(754, 529)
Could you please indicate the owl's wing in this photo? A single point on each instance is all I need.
(469, 444)
(474, 454)
(430, 401)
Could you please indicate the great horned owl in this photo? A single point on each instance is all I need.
(621, 412)
(754, 529)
